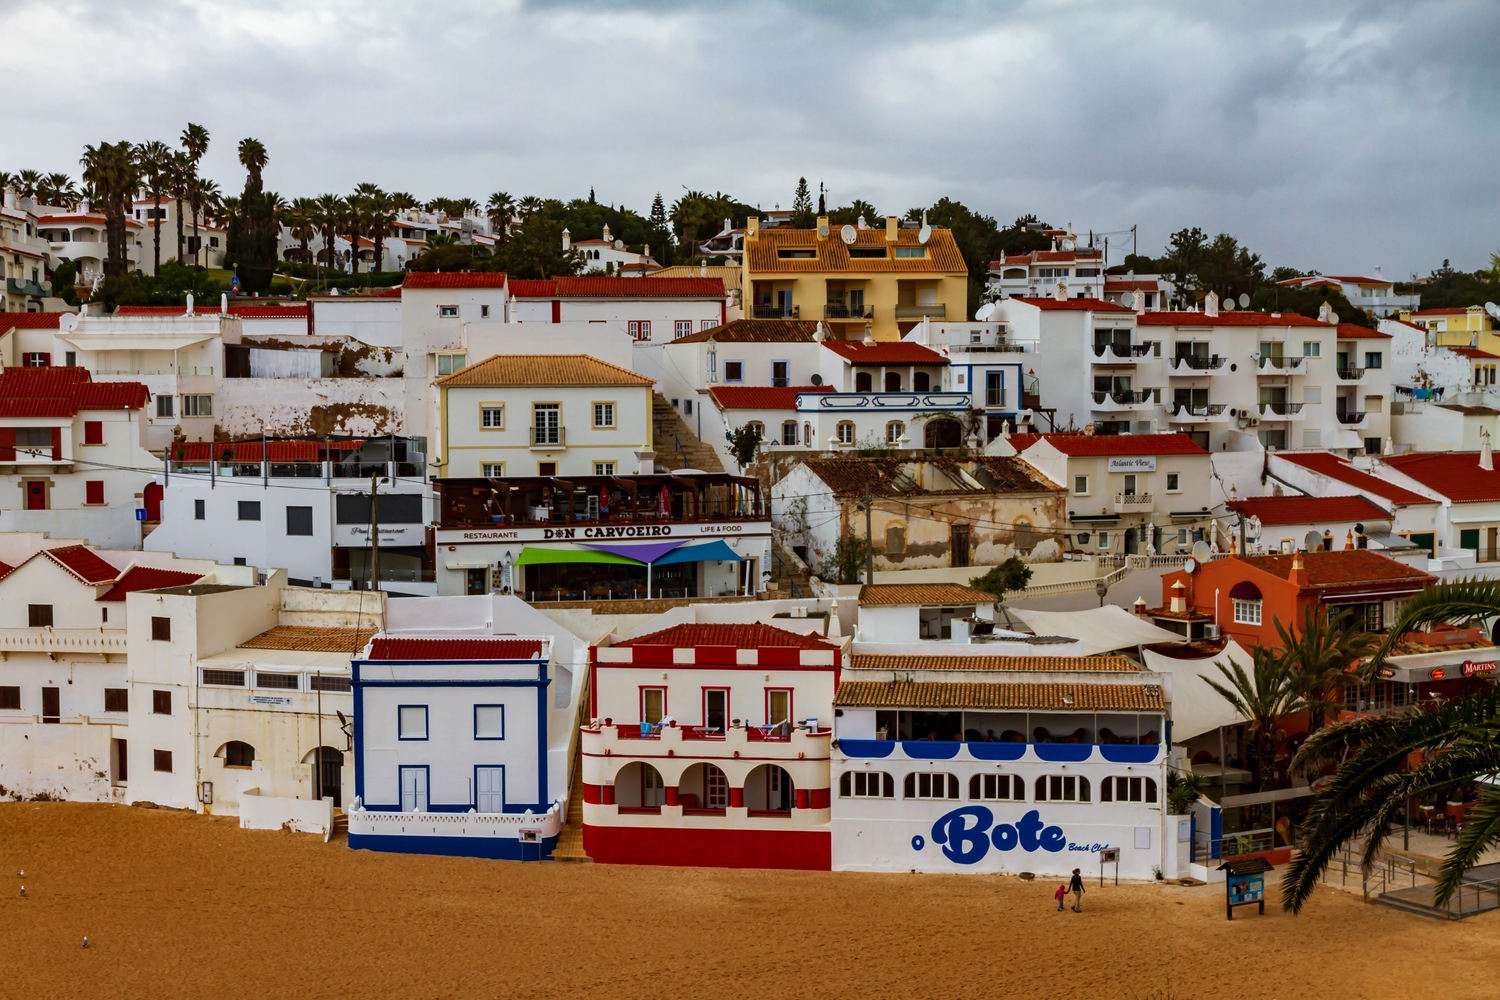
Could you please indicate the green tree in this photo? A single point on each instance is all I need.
(1262, 698)
(802, 209)
(155, 161)
(251, 243)
(1320, 657)
(535, 250)
(1009, 577)
(744, 443)
(849, 558)
(112, 171)
(851, 213)
(1308, 302)
(330, 211)
(1183, 790)
(500, 207)
(179, 181)
(194, 141)
(446, 256)
(302, 220)
(1186, 250)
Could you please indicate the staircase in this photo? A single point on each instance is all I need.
(340, 826)
(790, 573)
(677, 446)
(570, 838)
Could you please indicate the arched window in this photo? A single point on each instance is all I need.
(237, 754)
(638, 786)
(895, 540)
(892, 381)
(807, 435)
(931, 785)
(846, 432)
(893, 432)
(921, 382)
(758, 429)
(863, 382)
(703, 787)
(866, 785)
(789, 434)
(1062, 788)
(768, 788)
(943, 433)
(992, 787)
(1120, 789)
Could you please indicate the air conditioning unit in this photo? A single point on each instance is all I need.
(1210, 631)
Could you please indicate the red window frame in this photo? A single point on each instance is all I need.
(791, 706)
(93, 491)
(704, 704)
(641, 700)
(93, 432)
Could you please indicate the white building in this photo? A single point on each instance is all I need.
(608, 256)
(207, 248)
(1375, 295)
(1080, 270)
(654, 312)
(23, 258)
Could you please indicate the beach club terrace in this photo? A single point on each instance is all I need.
(600, 538)
(1002, 763)
(708, 745)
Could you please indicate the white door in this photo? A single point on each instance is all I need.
(414, 789)
(489, 789)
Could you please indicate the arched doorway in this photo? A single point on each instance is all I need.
(151, 499)
(921, 382)
(892, 381)
(943, 433)
(638, 785)
(703, 788)
(863, 382)
(769, 789)
(1132, 546)
(328, 774)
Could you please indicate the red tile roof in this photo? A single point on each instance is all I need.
(1443, 311)
(1132, 284)
(1045, 257)
(1348, 331)
(148, 578)
(1234, 318)
(63, 391)
(608, 287)
(1085, 445)
(1343, 568)
(897, 352)
(30, 321)
(753, 636)
(84, 563)
(1309, 510)
(1322, 279)
(250, 451)
(1472, 352)
(436, 648)
(454, 279)
(1330, 465)
(1453, 474)
(242, 311)
(761, 397)
(1091, 305)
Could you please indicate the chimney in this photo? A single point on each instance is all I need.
(703, 269)
(728, 225)
(1179, 598)
(1060, 293)
(752, 228)
(891, 225)
(1140, 606)
(567, 241)
(1349, 541)
(1486, 460)
(645, 251)
(1377, 271)
(606, 232)
(822, 227)
(1298, 576)
(223, 303)
(1211, 304)
(821, 333)
(189, 311)
(869, 334)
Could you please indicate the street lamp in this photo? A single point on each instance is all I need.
(1102, 589)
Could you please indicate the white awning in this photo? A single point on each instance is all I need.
(130, 342)
(1196, 707)
(1101, 630)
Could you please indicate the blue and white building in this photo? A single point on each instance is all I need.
(451, 737)
(987, 365)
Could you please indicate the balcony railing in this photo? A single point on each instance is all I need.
(1134, 503)
(771, 310)
(837, 310)
(1351, 374)
(888, 400)
(1280, 409)
(20, 286)
(1196, 363)
(937, 311)
(1352, 417)
(1207, 411)
(1122, 350)
(1281, 362)
(546, 438)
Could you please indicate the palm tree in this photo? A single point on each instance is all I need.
(500, 207)
(301, 219)
(380, 212)
(26, 183)
(112, 170)
(155, 160)
(179, 179)
(195, 144)
(529, 206)
(1262, 698)
(56, 189)
(1320, 658)
(464, 207)
(330, 212)
(253, 157)
(7, 181)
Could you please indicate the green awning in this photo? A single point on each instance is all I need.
(531, 556)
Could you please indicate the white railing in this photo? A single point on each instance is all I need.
(62, 640)
(446, 824)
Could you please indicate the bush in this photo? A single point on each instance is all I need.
(849, 556)
(1183, 790)
(1011, 575)
(744, 443)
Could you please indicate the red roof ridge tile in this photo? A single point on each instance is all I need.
(753, 635)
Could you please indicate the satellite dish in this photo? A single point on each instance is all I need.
(984, 312)
(1333, 318)
(924, 234)
(823, 229)
(1128, 300)
(1229, 305)
(1314, 541)
(1202, 551)
(1191, 566)
(1244, 301)
(1492, 309)
(816, 379)
(849, 234)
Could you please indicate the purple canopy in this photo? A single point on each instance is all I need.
(647, 552)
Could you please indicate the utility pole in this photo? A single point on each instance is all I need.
(375, 531)
(869, 541)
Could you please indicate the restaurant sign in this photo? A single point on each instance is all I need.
(601, 532)
(1472, 668)
(965, 835)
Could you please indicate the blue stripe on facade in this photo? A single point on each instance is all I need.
(496, 848)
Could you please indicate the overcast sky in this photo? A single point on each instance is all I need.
(1336, 137)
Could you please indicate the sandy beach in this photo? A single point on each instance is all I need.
(179, 905)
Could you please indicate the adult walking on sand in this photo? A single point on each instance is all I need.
(1076, 888)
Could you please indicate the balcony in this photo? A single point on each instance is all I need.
(1352, 418)
(1284, 364)
(1206, 413)
(1128, 399)
(19, 286)
(772, 310)
(1281, 411)
(1127, 352)
(62, 640)
(1351, 374)
(548, 438)
(936, 311)
(884, 400)
(837, 310)
(1193, 366)
(1134, 503)
(658, 499)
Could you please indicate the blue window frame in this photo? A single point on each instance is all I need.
(411, 722)
(489, 722)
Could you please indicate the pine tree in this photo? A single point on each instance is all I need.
(802, 213)
(658, 213)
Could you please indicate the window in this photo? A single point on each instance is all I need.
(448, 312)
(161, 703)
(33, 437)
(708, 324)
(197, 406)
(93, 491)
(682, 328)
(249, 510)
(1130, 485)
(484, 312)
(164, 406)
(1174, 482)
(653, 704)
(1312, 394)
(910, 252)
(237, 754)
(492, 470)
(780, 373)
(894, 431)
(492, 416)
(1128, 790)
(604, 468)
(36, 359)
(411, 722)
(10, 698)
(104, 614)
(845, 431)
(1104, 539)
(789, 434)
(93, 432)
(224, 678)
(546, 423)
(199, 512)
(931, 785)
(447, 364)
(1246, 612)
(1372, 446)
(604, 415)
(958, 545)
(1310, 349)
(687, 407)
(299, 521)
(489, 722)
(994, 388)
(117, 699)
(734, 371)
(778, 707)
(161, 629)
(322, 682)
(39, 615)
(1080, 486)
(1062, 788)
(546, 468)
(866, 785)
(1372, 359)
(161, 760)
(895, 540)
(640, 329)
(213, 242)
(716, 709)
(990, 787)
(1374, 404)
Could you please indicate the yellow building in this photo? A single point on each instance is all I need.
(1458, 326)
(884, 280)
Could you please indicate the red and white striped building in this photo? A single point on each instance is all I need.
(709, 745)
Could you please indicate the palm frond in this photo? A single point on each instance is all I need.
(1459, 602)
(1481, 829)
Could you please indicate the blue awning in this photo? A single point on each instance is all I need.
(714, 551)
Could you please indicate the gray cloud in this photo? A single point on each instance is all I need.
(1336, 137)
